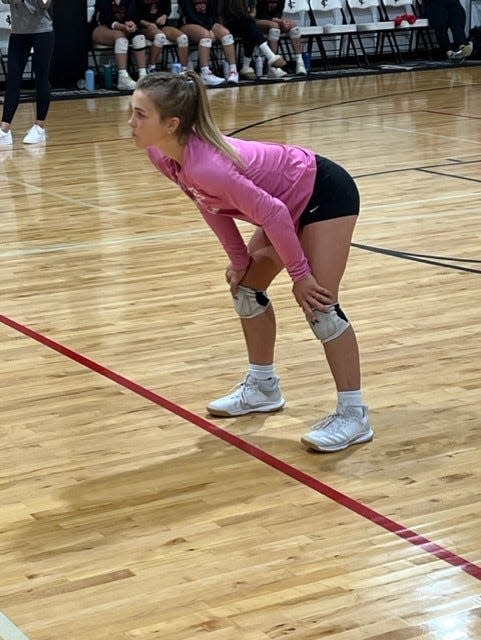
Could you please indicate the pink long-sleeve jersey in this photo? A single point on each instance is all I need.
(271, 191)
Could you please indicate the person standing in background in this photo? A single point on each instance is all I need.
(32, 29)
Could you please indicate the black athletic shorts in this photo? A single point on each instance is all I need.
(335, 194)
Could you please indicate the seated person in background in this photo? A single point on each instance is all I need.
(153, 16)
(116, 24)
(200, 23)
(235, 15)
(269, 17)
(444, 15)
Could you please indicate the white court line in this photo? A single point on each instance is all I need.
(418, 133)
(407, 203)
(8, 631)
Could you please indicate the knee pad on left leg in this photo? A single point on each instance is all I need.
(182, 41)
(160, 39)
(274, 34)
(138, 42)
(250, 303)
(121, 45)
(330, 325)
(294, 33)
(227, 39)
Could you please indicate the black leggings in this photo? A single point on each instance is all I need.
(19, 46)
(444, 15)
(245, 27)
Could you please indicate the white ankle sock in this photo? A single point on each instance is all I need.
(261, 371)
(266, 50)
(349, 399)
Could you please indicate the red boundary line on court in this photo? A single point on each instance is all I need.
(300, 476)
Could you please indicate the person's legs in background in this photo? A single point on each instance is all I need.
(19, 46)
(43, 44)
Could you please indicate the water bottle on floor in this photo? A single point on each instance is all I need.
(108, 79)
(90, 80)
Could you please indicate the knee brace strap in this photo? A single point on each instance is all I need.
(205, 42)
(138, 42)
(182, 41)
(227, 39)
(274, 34)
(121, 45)
(250, 303)
(330, 325)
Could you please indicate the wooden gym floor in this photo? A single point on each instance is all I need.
(125, 512)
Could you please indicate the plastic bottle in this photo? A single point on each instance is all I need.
(108, 81)
(90, 80)
(307, 61)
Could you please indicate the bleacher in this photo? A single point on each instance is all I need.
(359, 32)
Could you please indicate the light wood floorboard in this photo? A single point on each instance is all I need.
(121, 519)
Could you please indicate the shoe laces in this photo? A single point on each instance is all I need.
(241, 389)
(326, 422)
(329, 422)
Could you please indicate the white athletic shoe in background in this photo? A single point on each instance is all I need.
(247, 73)
(249, 396)
(340, 430)
(276, 72)
(466, 50)
(126, 83)
(233, 77)
(300, 68)
(35, 135)
(6, 139)
(210, 79)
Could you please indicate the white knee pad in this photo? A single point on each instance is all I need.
(274, 34)
(205, 42)
(295, 33)
(121, 45)
(182, 41)
(159, 39)
(138, 42)
(330, 325)
(227, 39)
(250, 303)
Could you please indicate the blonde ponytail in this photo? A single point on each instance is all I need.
(184, 96)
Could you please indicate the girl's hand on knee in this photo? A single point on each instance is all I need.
(310, 296)
(233, 278)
